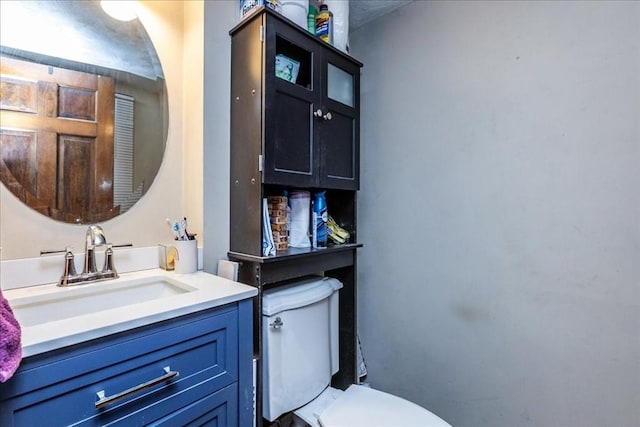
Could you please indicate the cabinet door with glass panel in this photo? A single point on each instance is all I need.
(339, 130)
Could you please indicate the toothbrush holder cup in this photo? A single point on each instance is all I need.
(186, 260)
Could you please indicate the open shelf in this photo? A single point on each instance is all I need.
(294, 253)
(299, 54)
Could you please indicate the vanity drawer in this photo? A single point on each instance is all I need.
(202, 349)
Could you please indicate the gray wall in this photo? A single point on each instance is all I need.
(219, 18)
(500, 210)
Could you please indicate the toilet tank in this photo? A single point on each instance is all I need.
(299, 343)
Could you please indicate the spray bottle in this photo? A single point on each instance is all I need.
(319, 223)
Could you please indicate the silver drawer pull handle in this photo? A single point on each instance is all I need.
(104, 400)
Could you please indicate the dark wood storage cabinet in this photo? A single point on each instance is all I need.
(292, 135)
(311, 126)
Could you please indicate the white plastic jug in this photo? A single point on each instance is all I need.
(296, 10)
(340, 10)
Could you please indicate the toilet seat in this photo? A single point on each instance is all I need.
(364, 406)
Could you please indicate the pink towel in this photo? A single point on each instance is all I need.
(10, 345)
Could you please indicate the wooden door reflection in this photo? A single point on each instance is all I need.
(56, 149)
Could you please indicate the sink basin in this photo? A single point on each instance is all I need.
(55, 317)
(73, 301)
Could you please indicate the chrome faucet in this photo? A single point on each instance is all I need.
(94, 239)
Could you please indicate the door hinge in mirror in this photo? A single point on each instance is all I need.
(261, 33)
(260, 163)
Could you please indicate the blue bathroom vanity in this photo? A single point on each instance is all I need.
(195, 367)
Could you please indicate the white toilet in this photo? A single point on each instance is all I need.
(300, 354)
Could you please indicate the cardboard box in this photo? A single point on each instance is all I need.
(248, 6)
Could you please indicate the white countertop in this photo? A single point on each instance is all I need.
(210, 291)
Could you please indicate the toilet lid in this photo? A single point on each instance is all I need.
(363, 406)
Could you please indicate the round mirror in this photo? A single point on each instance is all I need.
(83, 109)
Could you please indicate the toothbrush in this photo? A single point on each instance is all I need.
(184, 227)
(176, 230)
(170, 224)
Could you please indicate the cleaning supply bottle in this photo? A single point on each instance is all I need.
(324, 24)
(311, 19)
(319, 223)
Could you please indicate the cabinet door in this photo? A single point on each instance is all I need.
(216, 409)
(291, 155)
(339, 124)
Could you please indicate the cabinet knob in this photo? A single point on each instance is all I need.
(327, 116)
(317, 113)
(277, 324)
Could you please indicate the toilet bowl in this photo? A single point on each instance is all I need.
(300, 354)
(360, 406)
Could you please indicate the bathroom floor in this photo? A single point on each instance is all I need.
(287, 420)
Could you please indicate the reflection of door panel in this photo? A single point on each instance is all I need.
(57, 138)
(76, 180)
(29, 167)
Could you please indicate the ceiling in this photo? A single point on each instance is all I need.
(364, 11)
